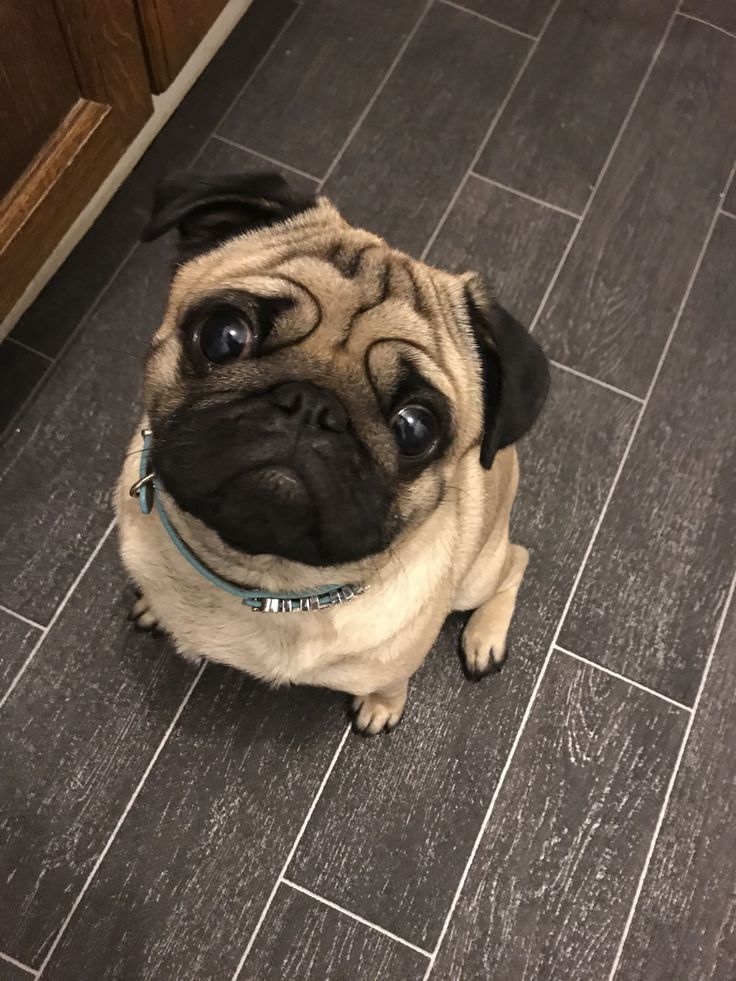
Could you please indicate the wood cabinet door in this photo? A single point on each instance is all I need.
(171, 31)
(73, 94)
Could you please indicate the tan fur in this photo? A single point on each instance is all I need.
(454, 552)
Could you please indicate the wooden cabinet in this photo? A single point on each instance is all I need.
(171, 30)
(73, 94)
(76, 78)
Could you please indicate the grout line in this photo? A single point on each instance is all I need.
(523, 194)
(622, 677)
(728, 214)
(267, 54)
(494, 122)
(371, 102)
(489, 20)
(69, 341)
(57, 613)
(606, 165)
(707, 23)
(263, 156)
(27, 347)
(354, 916)
(292, 851)
(597, 381)
(673, 778)
(19, 964)
(19, 616)
(121, 819)
(576, 583)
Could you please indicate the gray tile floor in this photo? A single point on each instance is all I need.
(568, 820)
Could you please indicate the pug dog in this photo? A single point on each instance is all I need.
(325, 467)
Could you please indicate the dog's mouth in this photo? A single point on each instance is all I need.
(320, 502)
(283, 483)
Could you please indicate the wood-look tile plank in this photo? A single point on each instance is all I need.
(552, 882)
(71, 293)
(404, 164)
(685, 922)
(225, 158)
(650, 597)
(20, 372)
(61, 462)
(77, 732)
(11, 972)
(729, 203)
(398, 817)
(62, 459)
(304, 940)
(514, 242)
(568, 107)
(17, 640)
(617, 295)
(186, 880)
(303, 103)
(522, 15)
(722, 13)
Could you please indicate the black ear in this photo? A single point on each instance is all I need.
(209, 210)
(515, 373)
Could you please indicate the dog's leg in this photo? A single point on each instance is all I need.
(484, 637)
(142, 617)
(381, 710)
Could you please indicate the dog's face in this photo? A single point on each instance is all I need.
(312, 391)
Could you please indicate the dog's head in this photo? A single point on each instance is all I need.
(311, 391)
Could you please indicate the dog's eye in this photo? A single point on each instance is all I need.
(225, 336)
(415, 429)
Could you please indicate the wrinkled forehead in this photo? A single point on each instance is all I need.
(352, 296)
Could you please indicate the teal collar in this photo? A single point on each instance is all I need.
(256, 599)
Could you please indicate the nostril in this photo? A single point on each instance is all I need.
(314, 406)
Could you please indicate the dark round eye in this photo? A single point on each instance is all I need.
(225, 336)
(416, 430)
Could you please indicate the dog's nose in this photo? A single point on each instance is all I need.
(313, 406)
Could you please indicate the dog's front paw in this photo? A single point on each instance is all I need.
(142, 617)
(379, 712)
(483, 650)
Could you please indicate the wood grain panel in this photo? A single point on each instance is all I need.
(552, 883)
(403, 166)
(398, 817)
(303, 940)
(514, 242)
(568, 107)
(37, 83)
(200, 851)
(77, 154)
(302, 104)
(652, 591)
(78, 731)
(171, 30)
(615, 300)
(685, 922)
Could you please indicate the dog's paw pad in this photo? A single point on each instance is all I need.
(143, 618)
(373, 714)
(482, 656)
